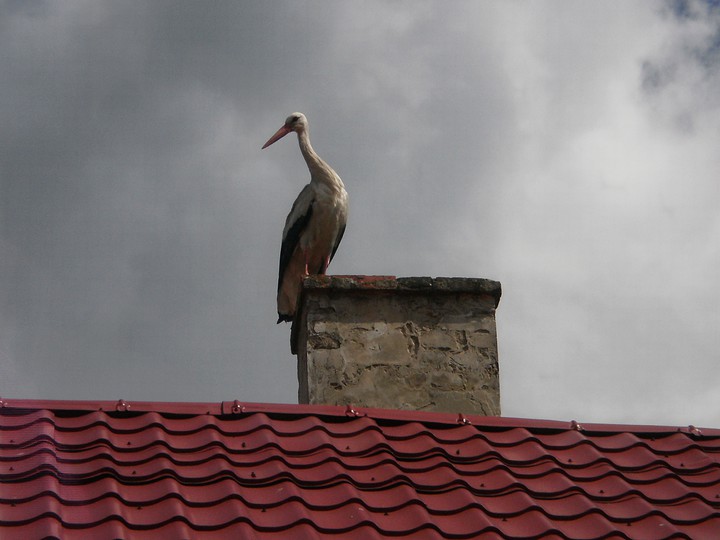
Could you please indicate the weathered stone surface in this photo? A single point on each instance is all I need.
(407, 343)
(324, 340)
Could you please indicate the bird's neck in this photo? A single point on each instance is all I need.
(319, 170)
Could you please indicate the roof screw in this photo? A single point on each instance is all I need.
(243, 445)
(263, 510)
(2, 403)
(457, 452)
(463, 420)
(350, 411)
(252, 474)
(385, 513)
(602, 491)
(695, 431)
(372, 479)
(237, 407)
(129, 443)
(575, 425)
(569, 460)
(133, 472)
(122, 405)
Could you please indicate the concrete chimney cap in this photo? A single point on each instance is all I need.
(414, 284)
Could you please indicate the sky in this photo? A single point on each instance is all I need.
(569, 150)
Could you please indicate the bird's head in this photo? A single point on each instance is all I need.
(295, 122)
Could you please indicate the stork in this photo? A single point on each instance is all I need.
(315, 224)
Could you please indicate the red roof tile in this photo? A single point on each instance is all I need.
(148, 470)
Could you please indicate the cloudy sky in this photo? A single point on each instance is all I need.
(569, 150)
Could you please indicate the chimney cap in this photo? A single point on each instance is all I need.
(414, 284)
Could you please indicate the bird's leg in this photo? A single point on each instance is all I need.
(307, 273)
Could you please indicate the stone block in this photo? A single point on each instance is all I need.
(407, 343)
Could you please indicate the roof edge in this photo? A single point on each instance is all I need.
(290, 409)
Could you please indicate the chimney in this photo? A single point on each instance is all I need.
(414, 343)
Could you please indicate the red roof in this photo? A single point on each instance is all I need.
(231, 470)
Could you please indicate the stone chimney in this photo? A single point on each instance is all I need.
(415, 343)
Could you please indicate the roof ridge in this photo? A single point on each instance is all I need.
(236, 407)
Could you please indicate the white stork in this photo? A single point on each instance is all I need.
(315, 224)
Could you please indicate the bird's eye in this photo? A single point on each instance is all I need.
(294, 119)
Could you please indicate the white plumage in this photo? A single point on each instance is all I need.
(315, 224)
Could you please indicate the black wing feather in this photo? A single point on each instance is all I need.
(337, 241)
(291, 240)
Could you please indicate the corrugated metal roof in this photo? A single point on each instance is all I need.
(233, 470)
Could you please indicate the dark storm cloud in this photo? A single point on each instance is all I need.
(546, 146)
(122, 237)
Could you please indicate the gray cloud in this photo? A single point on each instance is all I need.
(567, 151)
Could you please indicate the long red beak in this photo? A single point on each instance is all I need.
(279, 134)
